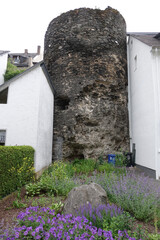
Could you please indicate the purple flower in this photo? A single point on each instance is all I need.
(62, 226)
(16, 234)
(25, 233)
(33, 233)
(99, 232)
(38, 237)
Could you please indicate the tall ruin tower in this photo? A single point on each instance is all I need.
(85, 54)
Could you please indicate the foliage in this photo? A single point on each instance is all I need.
(136, 194)
(59, 170)
(120, 160)
(42, 201)
(54, 182)
(110, 168)
(16, 167)
(84, 165)
(42, 223)
(120, 222)
(11, 71)
(70, 169)
(57, 207)
(108, 217)
(154, 236)
(18, 204)
(139, 233)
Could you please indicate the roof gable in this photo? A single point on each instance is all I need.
(3, 52)
(150, 39)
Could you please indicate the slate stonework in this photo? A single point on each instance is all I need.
(85, 54)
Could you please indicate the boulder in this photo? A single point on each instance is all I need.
(88, 193)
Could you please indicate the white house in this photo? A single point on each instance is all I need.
(26, 113)
(3, 64)
(144, 99)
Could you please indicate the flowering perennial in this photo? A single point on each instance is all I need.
(42, 223)
(135, 193)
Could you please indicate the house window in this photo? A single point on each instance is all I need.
(135, 63)
(4, 96)
(2, 137)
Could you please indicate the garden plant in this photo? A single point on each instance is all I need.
(132, 197)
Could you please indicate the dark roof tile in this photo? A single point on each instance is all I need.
(147, 38)
(3, 52)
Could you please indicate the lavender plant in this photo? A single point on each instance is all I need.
(107, 217)
(42, 223)
(134, 193)
(97, 214)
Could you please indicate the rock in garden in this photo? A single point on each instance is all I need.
(88, 193)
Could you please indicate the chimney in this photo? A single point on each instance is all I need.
(26, 51)
(38, 50)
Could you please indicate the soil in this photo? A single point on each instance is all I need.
(8, 213)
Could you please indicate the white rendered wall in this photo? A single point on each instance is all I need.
(45, 125)
(20, 116)
(142, 103)
(3, 66)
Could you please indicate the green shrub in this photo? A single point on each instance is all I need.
(106, 167)
(110, 168)
(16, 168)
(120, 222)
(84, 165)
(11, 71)
(140, 233)
(59, 170)
(155, 236)
(50, 185)
(55, 180)
(121, 160)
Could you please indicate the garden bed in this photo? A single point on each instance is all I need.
(119, 184)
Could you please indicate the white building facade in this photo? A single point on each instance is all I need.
(26, 113)
(144, 100)
(3, 65)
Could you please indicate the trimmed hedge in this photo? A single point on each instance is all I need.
(16, 168)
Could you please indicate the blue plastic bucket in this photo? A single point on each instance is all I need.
(112, 158)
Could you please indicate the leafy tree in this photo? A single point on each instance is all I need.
(11, 71)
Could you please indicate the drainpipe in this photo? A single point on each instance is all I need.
(156, 85)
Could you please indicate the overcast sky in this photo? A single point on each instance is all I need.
(23, 23)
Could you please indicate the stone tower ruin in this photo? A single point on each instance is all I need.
(85, 54)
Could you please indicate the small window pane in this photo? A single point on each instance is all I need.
(4, 96)
(2, 137)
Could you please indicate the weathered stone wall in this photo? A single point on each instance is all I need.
(85, 53)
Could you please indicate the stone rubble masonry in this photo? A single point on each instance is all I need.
(85, 54)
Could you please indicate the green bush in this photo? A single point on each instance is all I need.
(11, 71)
(110, 168)
(54, 181)
(16, 168)
(120, 222)
(84, 165)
